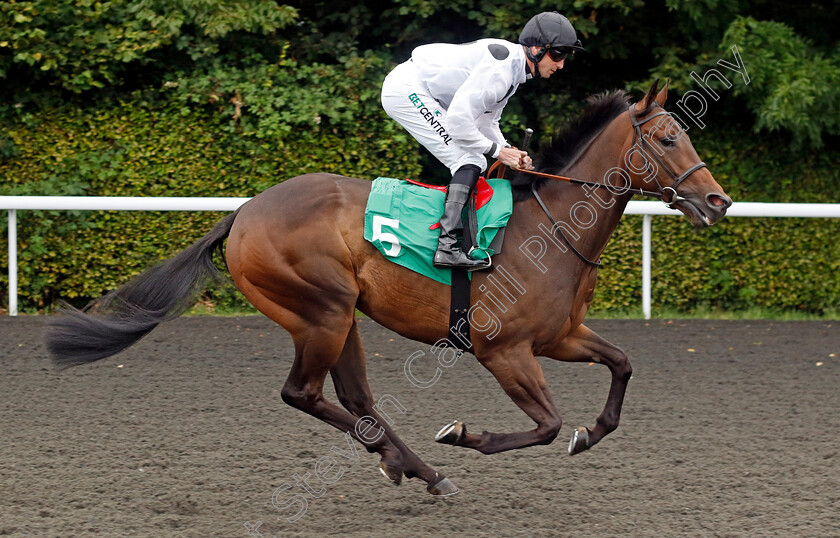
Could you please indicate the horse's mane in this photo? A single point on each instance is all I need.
(554, 157)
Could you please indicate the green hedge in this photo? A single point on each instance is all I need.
(153, 145)
(784, 264)
(145, 147)
(740, 263)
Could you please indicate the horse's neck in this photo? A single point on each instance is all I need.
(601, 156)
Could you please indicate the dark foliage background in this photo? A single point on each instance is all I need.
(227, 97)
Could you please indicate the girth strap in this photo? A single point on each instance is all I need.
(459, 308)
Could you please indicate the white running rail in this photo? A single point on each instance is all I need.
(95, 203)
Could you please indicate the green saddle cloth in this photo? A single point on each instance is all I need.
(399, 215)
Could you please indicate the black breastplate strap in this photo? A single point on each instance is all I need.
(555, 227)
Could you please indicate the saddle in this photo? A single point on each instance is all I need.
(482, 194)
(401, 221)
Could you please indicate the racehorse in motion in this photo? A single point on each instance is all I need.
(297, 252)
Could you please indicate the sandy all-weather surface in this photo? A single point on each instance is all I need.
(729, 429)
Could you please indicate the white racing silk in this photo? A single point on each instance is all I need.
(451, 97)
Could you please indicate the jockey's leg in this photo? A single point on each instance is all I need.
(449, 252)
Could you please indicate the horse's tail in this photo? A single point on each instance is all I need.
(117, 320)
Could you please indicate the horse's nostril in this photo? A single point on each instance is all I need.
(717, 201)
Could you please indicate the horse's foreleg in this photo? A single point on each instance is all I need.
(584, 345)
(521, 377)
(351, 386)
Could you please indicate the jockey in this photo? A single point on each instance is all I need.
(450, 98)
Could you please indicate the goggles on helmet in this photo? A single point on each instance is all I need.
(560, 53)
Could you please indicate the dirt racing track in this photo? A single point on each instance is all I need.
(729, 429)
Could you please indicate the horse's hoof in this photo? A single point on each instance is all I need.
(443, 487)
(391, 473)
(579, 442)
(452, 433)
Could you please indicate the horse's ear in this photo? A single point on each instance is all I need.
(648, 100)
(662, 96)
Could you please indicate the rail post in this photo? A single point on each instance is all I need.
(13, 284)
(646, 234)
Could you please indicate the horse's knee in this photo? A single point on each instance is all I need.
(627, 373)
(624, 371)
(620, 365)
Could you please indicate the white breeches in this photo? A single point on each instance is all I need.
(405, 98)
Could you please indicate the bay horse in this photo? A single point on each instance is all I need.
(297, 253)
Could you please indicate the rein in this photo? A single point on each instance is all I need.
(637, 134)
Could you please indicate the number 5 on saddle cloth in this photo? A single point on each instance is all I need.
(401, 220)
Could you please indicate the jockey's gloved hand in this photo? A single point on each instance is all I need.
(515, 158)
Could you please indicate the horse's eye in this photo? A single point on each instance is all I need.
(667, 142)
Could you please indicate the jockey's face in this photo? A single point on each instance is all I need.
(547, 66)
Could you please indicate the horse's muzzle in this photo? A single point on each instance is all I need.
(716, 206)
(705, 211)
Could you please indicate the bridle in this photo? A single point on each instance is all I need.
(637, 134)
(673, 199)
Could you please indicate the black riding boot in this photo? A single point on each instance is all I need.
(449, 253)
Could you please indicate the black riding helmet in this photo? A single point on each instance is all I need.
(553, 33)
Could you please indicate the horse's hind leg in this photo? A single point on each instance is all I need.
(318, 347)
(315, 354)
(350, 380)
